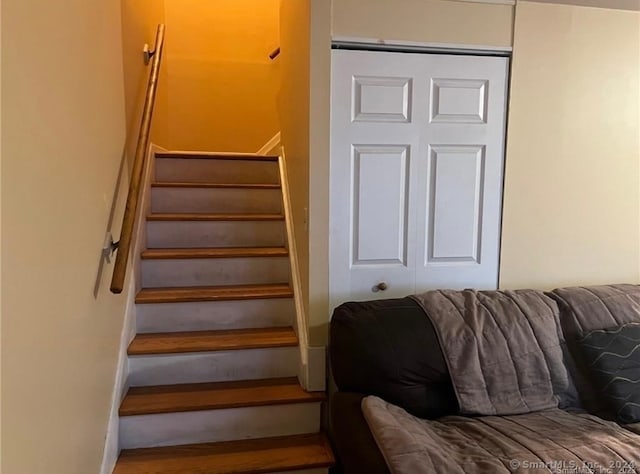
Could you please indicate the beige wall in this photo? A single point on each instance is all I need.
(572, 192)
(572, 208)
(63, 119)
(221, 83)
(431, 21)
(293, 109)
(0, 244)
(319, 139)
(633, 5)
(140, 19)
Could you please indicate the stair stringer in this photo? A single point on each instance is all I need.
(311, 373)
(121, 382)
(272, 146)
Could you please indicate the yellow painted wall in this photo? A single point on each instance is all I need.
(572, 192)
(293, 111)
(221, 83)
(63, 132)
(433, 21)
(139, 25)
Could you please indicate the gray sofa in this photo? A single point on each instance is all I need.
(390, 349)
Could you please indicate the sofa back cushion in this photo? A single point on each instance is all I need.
(389, 348)
(585, 309)
(612, 357)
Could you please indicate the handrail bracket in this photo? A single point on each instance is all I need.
(148, 54)
(109, 247)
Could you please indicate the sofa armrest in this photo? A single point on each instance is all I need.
(356, 450)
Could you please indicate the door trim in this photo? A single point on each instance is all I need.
(393, 46)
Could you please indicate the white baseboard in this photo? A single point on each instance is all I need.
(112, 440)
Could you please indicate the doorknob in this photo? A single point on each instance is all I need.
(379, 287)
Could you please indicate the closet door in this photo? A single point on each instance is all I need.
(459, 190)
(412, 155)
(375, 137)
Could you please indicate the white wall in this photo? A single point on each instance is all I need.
(63, 131)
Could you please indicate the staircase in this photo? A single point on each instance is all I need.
(213, 365)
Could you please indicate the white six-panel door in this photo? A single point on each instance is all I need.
(417, 146)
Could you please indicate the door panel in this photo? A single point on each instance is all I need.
(381, 99)
(455, 205)
(416, 172)
(458, 101)
(380, 205)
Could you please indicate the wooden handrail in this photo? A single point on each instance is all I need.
(133, 197)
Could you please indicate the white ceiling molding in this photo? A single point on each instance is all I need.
(633, 5)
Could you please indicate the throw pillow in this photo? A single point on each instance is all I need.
(613, 357)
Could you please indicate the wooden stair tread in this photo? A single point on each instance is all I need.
(216, 395)
(213, 293)
(193, 216)
(193, 184)
(254, 456)
(215, 252)
(216, 156)
(205, 341)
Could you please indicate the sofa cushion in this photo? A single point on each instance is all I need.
(613, 358)
(389, 348)
(584, 309)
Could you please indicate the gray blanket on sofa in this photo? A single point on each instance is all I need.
(546, 441)
(503, 349)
